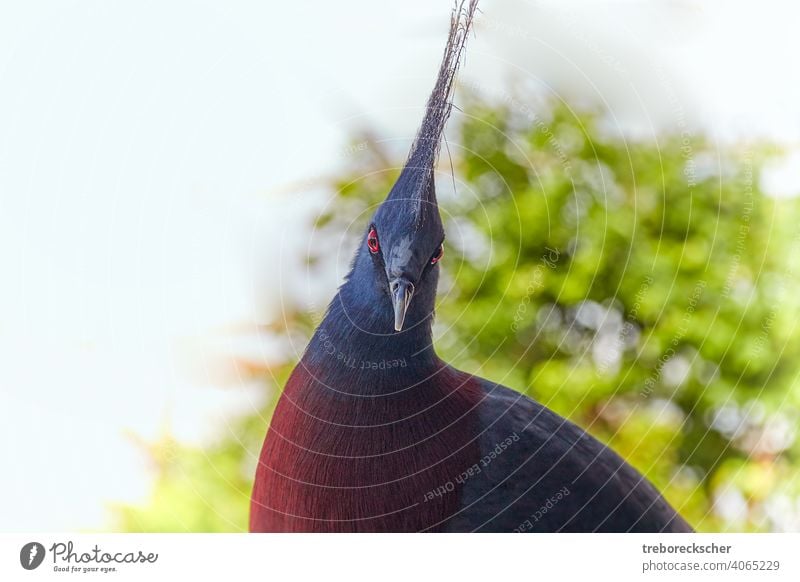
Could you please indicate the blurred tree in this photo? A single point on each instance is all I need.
(643, 289)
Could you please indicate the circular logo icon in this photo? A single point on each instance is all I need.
(31, 555)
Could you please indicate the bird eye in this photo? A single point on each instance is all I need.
(438, 255)
(372, 241)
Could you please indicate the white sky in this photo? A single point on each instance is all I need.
(142, 143)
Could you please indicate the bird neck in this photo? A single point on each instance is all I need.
(356, 338)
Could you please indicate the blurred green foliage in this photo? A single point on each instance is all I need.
(644, 289)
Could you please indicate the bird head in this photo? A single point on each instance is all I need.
(404, 242)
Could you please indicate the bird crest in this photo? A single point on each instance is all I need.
(415, 184)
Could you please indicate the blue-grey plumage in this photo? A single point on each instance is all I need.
(541, 473)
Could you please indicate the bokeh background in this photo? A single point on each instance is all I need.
(181, 183)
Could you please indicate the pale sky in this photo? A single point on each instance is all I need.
(144, 152)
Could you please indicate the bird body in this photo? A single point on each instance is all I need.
(425, 447)
(374, 432)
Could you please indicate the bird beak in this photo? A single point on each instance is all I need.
(402, 291)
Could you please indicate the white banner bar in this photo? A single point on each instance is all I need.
(536, 557)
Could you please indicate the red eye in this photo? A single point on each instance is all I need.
(372, 241)
(438, 256)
